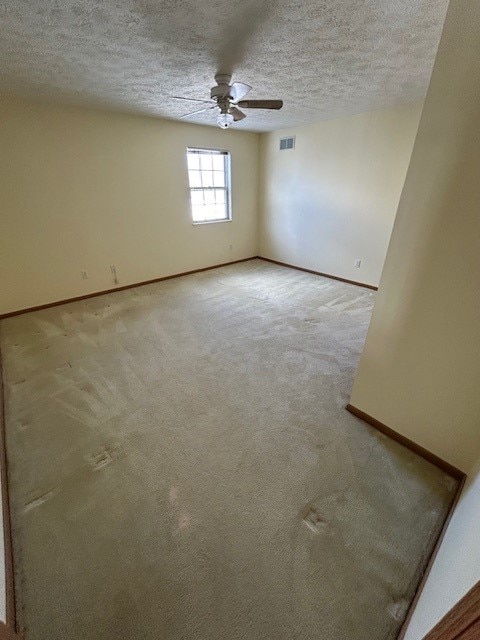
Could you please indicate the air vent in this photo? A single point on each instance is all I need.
(287, 143)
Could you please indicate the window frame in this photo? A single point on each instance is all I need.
(227, 188)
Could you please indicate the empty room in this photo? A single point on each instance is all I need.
(240, 320)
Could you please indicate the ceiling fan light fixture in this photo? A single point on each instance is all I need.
(224, 120)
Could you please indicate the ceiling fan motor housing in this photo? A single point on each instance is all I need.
(222, 90)
(217, 93)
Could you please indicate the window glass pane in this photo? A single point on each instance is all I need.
(220, 196)
(221, 210)
(197, 197)
(211, 212)
(207, 178)
(209, 196)
(218, 160)
(194, 179)
(218, 179)
(198, 213)
(205, 161)
(208, 213)
(193, 162)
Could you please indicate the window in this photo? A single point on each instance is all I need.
(209, 178)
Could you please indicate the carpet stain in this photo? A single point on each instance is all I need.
(106, 456)
(101, 459)
(37, 502)
(398, 609)
(314, 520)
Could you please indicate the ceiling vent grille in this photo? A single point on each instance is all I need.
(287, 143)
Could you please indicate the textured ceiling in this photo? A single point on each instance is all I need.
(324, 58)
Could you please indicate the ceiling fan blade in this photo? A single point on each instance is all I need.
(238, 90)
(237, 114)
(260, 104)
(187, 115)
(190, 99)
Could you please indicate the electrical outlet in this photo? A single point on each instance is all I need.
(84, 275)
(358, 263)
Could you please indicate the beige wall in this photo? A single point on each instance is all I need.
(420, 370)
(82, 189)
(333, 199)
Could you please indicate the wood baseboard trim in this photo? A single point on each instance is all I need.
(57, 303)
(7, 634)
(10, 626)
(319, 273)
(444, 466)
(406, 442)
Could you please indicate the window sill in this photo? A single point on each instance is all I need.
(211, 221)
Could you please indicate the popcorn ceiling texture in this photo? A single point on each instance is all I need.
(323, 58)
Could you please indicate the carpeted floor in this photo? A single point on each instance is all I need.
(182, 466)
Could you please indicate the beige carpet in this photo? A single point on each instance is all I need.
(182, 466)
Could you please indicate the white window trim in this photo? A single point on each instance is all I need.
(228, 184)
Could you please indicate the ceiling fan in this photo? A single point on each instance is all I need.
(228, 98)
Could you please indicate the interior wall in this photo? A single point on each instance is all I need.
(332, 200)
(420, 369)
(84, 189)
